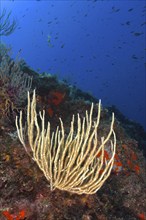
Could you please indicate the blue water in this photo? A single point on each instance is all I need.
(99, 46)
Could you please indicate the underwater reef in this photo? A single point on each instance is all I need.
(25, 193)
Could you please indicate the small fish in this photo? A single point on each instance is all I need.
(137, 33)
(20, 50)
(143, 23)
(49, 22)
(128, 23)
(130, 9)
(115, 9)
(62, 46)
(134, 57)
(49, 41)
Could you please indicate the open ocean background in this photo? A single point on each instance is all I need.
(98, 46)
